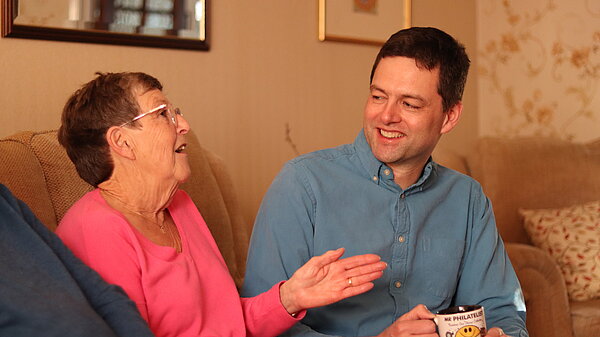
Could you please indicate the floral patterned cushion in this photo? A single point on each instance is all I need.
(571, 235)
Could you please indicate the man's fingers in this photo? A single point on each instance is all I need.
(416, 313)
(423, 327)
(496, 332)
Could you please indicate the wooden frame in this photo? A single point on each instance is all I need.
(9, 29)
(339, 22)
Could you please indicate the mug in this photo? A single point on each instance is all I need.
(461, 321)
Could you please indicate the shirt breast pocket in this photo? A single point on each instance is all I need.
(437, 264)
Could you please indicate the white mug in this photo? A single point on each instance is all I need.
(461, 321)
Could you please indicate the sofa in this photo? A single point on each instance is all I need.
(519, 173)
(536, 173)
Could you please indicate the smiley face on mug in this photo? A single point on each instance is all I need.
(468, 331)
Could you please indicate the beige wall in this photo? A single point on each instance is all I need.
(265, 69)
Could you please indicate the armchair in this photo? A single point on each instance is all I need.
(534, 173)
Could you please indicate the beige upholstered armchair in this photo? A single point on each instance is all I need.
(537, 173)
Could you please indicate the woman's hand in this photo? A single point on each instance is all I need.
(325, 279)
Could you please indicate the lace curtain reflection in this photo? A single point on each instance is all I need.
(151, 17)
(180, 24)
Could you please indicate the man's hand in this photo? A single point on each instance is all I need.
(417, 322)
(496, 332)
(326, 279)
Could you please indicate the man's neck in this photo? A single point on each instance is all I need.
(407, 175)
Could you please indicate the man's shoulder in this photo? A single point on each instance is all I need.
(325, 155)
(456, 177)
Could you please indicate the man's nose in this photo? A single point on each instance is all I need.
(391, 113)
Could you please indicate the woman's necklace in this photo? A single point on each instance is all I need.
(162, 224)
(125, 207)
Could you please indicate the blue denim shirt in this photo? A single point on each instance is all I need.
(438, 237)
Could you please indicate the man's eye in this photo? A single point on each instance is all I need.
(163, 113)
(410, 106)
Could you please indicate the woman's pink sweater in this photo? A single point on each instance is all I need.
(179, 294)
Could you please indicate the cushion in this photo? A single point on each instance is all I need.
(571, 235)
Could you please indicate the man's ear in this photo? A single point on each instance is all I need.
(119, 142)
(451, 117)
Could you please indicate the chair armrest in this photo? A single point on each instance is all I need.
(544, 289)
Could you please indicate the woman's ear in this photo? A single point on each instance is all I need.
(119, 142)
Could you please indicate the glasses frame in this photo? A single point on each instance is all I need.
(172, 114)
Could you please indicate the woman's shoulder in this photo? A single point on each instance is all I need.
(91, 213)
(181, 200)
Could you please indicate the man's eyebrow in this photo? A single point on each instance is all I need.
(374, 87)
(417, 97)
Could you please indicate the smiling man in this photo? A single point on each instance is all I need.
(383, 194)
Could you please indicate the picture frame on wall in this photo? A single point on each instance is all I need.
(362, 21)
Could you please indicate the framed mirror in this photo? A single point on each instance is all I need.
(179, 24)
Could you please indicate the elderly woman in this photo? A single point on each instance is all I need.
(140, 231)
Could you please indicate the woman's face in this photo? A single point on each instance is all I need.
(159, 145)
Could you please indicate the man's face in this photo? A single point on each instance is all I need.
(403, 118)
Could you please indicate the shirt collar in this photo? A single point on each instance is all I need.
(375, 168)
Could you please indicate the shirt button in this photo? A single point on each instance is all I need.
(401, 239)
(397, 284)
(387, 172)
(374, 178)
(402, 196)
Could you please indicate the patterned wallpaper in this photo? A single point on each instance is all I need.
(539, 68)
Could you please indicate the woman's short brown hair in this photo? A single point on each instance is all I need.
(107, 100)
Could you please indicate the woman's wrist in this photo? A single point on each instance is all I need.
(288, 299)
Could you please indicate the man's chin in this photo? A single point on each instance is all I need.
(389, 158)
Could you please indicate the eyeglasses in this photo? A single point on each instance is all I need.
(172, 113)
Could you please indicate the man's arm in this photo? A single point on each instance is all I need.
(109, 301)
(281, 239)
(487, 276)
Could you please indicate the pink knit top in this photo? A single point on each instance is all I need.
(179, 294)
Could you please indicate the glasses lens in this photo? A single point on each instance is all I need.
(173, 113)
